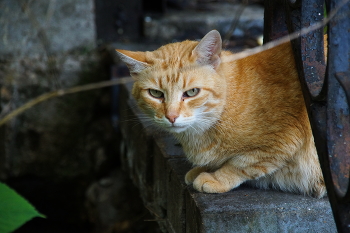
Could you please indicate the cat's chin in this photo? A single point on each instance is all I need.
(177, 129)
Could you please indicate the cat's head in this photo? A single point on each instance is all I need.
(178, 85)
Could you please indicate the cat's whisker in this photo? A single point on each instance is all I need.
(194, 129)
(139, 120)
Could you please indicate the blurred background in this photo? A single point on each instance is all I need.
(63, 154)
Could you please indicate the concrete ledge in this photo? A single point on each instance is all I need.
(157, 166)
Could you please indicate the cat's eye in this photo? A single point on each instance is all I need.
(191, 92)
(156, 93)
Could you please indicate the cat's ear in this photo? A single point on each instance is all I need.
(134, 60)
(208, 50)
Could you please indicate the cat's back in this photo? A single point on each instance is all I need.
(268, 77)
(264, 97)
(273, 65)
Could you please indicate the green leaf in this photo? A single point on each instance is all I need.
(14, 210)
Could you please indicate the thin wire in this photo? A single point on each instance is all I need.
(62, 92)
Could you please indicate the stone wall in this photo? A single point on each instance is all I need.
(40, 27)
(46, 46)
(62, 154)
(55, 150)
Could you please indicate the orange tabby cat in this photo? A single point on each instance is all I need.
(238, 121)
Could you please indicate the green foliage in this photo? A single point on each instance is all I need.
(14, 210)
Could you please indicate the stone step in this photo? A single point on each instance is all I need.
(190, 24)
(157, 166)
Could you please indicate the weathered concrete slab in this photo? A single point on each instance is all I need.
(251, 210)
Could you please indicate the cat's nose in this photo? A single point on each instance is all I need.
(172, 118)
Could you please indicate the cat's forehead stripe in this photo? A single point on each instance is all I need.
(168, 79)
(160, 83)
(184, 83)
(175, 55)
(154, 81)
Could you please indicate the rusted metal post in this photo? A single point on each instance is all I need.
(326, 89)
(338, 117)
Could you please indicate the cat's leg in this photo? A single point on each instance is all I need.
(220, 181)
(294, 179)
(303, 176)
(192, 174)
(230, 176)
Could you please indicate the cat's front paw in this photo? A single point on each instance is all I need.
(192, 174)
(207, 183)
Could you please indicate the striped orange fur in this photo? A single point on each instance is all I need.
(238, 121)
